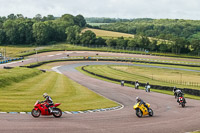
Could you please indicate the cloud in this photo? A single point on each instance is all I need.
(182, 9)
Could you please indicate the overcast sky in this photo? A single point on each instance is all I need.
(175, 9)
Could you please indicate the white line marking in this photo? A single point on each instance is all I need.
(67, 112)
(50, 55)
(56, 69)
(22, 112)
(3, 112)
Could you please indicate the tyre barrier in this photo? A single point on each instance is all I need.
(7, 67)
(9, 60)
(185, 90)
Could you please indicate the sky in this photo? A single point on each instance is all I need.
(157, 9)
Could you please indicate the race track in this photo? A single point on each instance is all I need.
(169, 117)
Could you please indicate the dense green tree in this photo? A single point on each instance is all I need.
(88, 37)
(80, 21)
(2, 36)
(178, 44)
(20, 16)
(195, 44)
(40, 32)
(12, 16)
(163, 47)
(132, 43)
(68, 19)
(121, 42)
(100, 41)
(38, 17)
(11, 30)
(111, 42)
(153, 46)
(73, 34)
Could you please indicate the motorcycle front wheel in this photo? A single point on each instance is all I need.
(183, 105)
(139, 113)
(35, 113)
(57, 112)
(150, 112)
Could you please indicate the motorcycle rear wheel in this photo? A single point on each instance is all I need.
(35, 113)
(58, 113)
(139, 113)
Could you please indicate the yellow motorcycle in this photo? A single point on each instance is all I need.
(141, 110)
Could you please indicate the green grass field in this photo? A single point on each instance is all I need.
(13, 51)
(132, 86)
(21, 96)
(98, 24)
(156, 76)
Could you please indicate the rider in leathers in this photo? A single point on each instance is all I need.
(49, 100)
(139, 100)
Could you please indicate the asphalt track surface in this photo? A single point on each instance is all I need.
(168, 117)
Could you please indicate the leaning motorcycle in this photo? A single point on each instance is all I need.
(141, 110)
(41, 109)
(181, 101)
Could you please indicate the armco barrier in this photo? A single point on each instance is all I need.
(185, 90)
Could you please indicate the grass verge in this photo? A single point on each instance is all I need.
(21, 96)
(129, 85)
(156, 76)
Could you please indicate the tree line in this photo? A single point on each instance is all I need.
(110, 20)
(183, 35)
(176, 36)
(20, 30)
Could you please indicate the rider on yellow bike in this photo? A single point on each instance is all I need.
(140, 101)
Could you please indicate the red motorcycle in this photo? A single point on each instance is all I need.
(181, 101)
(41, 109)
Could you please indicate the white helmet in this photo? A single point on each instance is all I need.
(138, 99)
(45, 95)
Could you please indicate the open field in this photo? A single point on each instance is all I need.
(156, 76)
(110, 34)
(12, 51)
(97, 24)
(21, 96)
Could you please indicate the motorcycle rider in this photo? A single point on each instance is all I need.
(122, 82)
(147, 87)
(140, 101)
(49, 100)
(174, 90)
(179, 93)
(136, 84)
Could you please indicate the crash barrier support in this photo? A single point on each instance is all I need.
(185, 90)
